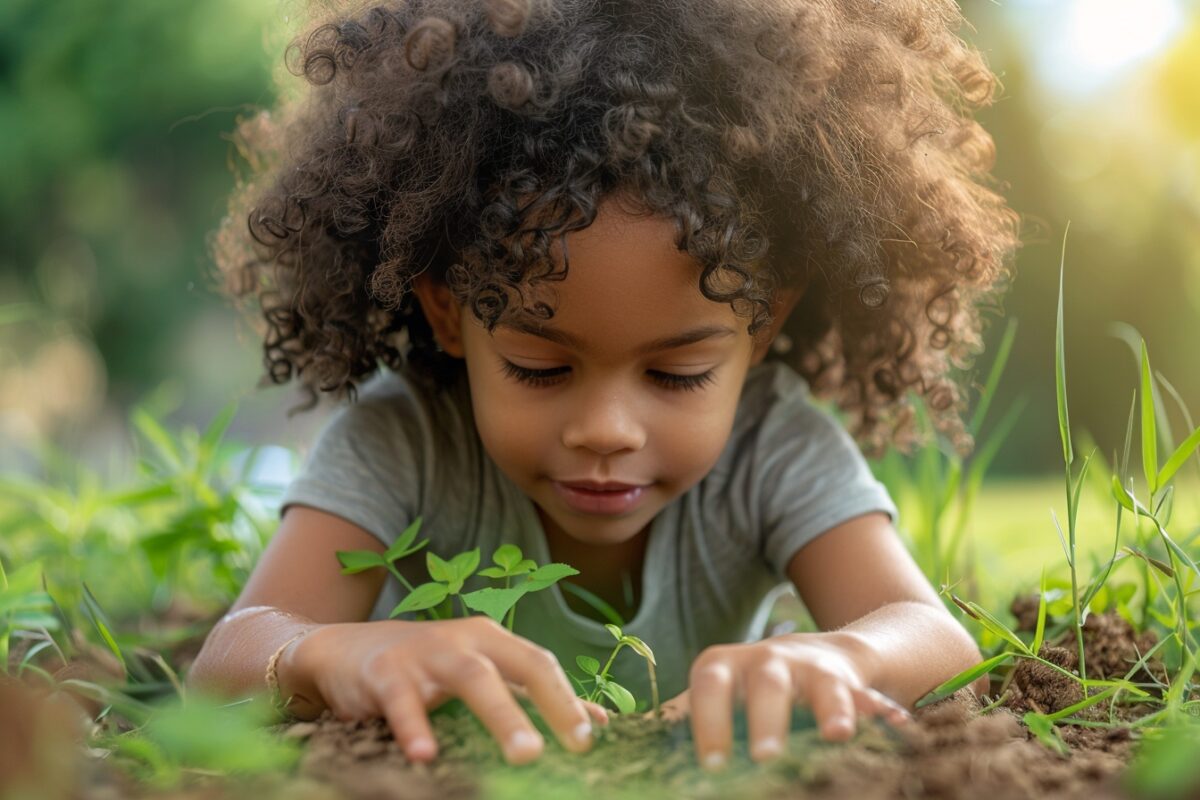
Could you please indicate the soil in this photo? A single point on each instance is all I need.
(952, 749)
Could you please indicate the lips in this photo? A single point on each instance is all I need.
(600, 497)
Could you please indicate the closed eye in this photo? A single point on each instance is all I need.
(552, 376)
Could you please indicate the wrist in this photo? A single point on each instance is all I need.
(295, 685)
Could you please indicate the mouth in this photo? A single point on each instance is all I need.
(604, 498)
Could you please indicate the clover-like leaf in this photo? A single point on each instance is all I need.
(439, 568)
(463, 565)
(507, 556)
(494, 602)
(492, 572)
(353, 561)
(621, 697)
(427, 595)
(549, 575)
(526, 565)
(588, 664)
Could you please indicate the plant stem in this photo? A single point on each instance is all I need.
(1074, 578)
(392, 569)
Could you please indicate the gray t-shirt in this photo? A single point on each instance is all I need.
(714, 556)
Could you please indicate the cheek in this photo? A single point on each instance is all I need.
(689, 444)
(511, 438)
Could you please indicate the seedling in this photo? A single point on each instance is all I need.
(449, 577)
(604, 685)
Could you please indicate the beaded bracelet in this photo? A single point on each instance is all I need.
(277, 701)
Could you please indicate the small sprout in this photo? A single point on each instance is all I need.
(605, 685)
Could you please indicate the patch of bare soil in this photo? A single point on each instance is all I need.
(951, 750)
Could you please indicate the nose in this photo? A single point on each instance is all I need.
(604, 423)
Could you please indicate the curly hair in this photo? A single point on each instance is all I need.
(826, 143)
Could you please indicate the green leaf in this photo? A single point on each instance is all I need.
(1149, 435)
(493, 572)
(507, 556)
(549, 575)
(154, 433)
(216, 430)
(400, 548)
(97, 616)
(1165, 569)
(993, 378)
(589, 665)
(987, 620)
(526, 565)
(438, 568)
(621, 697)
(425, 596)
(1121, 495)
(640, 648)
(1041, 618)
(353, 561)
(1060, 364)
(494, 602)
(463, 565)
(963, 679)
(615, 631)
(1179, 457)
(1043, 727)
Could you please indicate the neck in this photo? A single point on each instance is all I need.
(602, 568)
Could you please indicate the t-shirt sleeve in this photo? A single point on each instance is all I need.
(364, 465)
(812, 476)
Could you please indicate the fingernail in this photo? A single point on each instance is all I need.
(523, 742)
(714, 760)
(420, 749)
(768, 747)
(583, 733)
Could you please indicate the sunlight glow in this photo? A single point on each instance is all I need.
(1084, 44)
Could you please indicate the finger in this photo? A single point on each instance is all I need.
(404, 710)
(769, 701)
(597, 711)
(476, 680)
(872, 702)
(537, 670)
(833, 708)
(675, 709)
(711, 689)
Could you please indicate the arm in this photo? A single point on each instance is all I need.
(393, 669)
(861, 585)
(296, 586)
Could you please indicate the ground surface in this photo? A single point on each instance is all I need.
(951, 750)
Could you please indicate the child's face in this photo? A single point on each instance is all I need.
(592, 395)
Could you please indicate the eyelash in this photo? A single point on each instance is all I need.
(546, 377)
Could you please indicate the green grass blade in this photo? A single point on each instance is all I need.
(1179, 457)
(1040, 632)
(1060, 364)
(993, 378)
(987, 620)
(962, 679)
(154, 433)
(1149, 434)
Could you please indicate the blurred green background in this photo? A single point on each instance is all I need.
(115, 120)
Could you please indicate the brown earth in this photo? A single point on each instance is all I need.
(950, 750)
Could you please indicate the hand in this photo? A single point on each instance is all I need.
(399, 669)
(769, 676)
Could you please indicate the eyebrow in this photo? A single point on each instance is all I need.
(665, 343)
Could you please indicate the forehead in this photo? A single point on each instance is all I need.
(627, 284)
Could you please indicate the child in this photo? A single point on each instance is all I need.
(602, 249)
